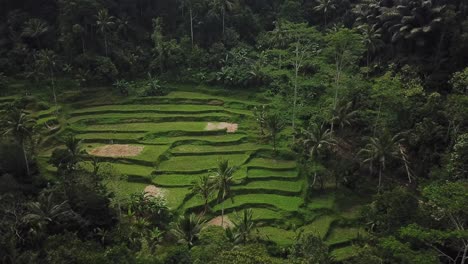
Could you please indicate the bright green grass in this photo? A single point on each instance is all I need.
(175, 179)
(258, 214)
(47, 112)
(194, 163)
(163, 108)
(227, 138)
(273, 163)
(287, 203)
(344, 253)
(44, 120)
(109, 136)
(289, 186)
(147, 127)
(209, 149)
(341, 235)
(124, 169)
(320, 226)
(280, 236)
(267, 173)
(175, 196)
(122, 117)
(322, 201)
(123, 189)
(194, 95)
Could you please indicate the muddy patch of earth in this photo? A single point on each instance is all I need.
(217, 222)
(154, 191)
(230, 127)
(117, 150)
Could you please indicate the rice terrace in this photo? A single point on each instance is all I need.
(168, 142)
(234, 132)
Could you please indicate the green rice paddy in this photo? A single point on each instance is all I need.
(177, 150)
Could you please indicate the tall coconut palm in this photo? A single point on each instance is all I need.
(188, 228)
(223, 179)
(343, 115)
(372, 39)
(74, 151)
(274, 123)
(45, 211)
(325, 7)
(34, 28)
(205, 189)
(105, 23)
(243, 226)
(224, 5)
(19, 125)
(315, 140)
(47, 60)
(380, 150)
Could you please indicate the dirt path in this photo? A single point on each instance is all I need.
(154, 191)
(230, 127)
(217, 222)
(117, 150)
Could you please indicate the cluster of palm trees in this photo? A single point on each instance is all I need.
(216, 185)
(378, 152)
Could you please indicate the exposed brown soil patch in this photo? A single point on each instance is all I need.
(117, 150)
(217, 222)
(154, 191)
(230, 127)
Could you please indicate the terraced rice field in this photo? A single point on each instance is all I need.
(177, 149)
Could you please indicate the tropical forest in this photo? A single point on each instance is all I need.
(234, 131)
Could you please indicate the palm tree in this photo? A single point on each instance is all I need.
(74, 151)
(274, 123)
(105, 23)
(188, 228)
(372, 38)
(45, 211)
(79, 30)
(47, 61)
(222, 179)
(381, 150)
(34, 28)
(204, 188)
(315, 141)
(343, 115)
(244, 226)
(224, 5)
(20, 126)
(325, 7)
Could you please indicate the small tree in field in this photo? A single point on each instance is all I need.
(20, 126)
(223, 178)
(274, 123)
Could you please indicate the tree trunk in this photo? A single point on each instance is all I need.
(223, 11)
(25, 157)
(465, 254)
(52, 77)
(222, 215)
(83, 43)
(105, 43)
(380, 179)
(191, 25)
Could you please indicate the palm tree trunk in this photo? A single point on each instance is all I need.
(191, 25)
(105, 43)
(25, 157)
(83, 43)
(52, 77)
(222, 215)
(295, 100)
(223, 11)
(380, 179)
